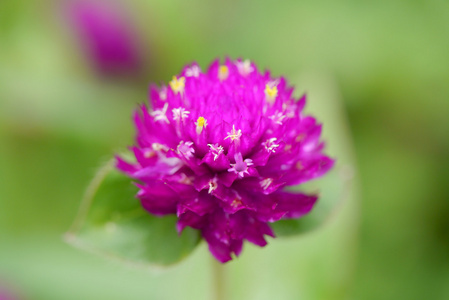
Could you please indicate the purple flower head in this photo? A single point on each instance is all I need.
(107, 35)
(217, 149)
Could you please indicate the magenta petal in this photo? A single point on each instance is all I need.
(216, 162)
(295, 205)
(231, 201)
(262, 185)
(158, 199)
(221, 250)
(236, 246)
(202, 204)
(256, 231)
(308, 170)
(125, 167)
(227, 178)
(261, 158)
(190, 219)
(238, 223)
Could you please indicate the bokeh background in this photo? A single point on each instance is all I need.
(71, 73)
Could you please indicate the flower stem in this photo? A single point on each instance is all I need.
(218, 278)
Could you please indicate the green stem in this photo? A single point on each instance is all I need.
(218, 278)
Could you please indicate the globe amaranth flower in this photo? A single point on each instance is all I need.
(218, 148)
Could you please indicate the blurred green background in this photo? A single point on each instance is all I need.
(384, 64)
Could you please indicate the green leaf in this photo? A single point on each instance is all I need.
(112, 223)
(331, 189)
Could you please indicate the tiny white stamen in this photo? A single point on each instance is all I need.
(180, 113)
(244, 67)
(186, 179)
(265, 184)
(277, 117)
(290, 110)
(161, 114)
(163, 93)
(159, 147)
(213, 185)
(216, 150)
(290, 114)
(193, 71)
(233, 134)
(270, 145)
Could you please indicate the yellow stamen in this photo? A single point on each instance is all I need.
(177, 84)
(201, 121)
(223, 72)
(200, 124)
(271, 92)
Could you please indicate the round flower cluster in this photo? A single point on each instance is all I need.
(217, 149)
